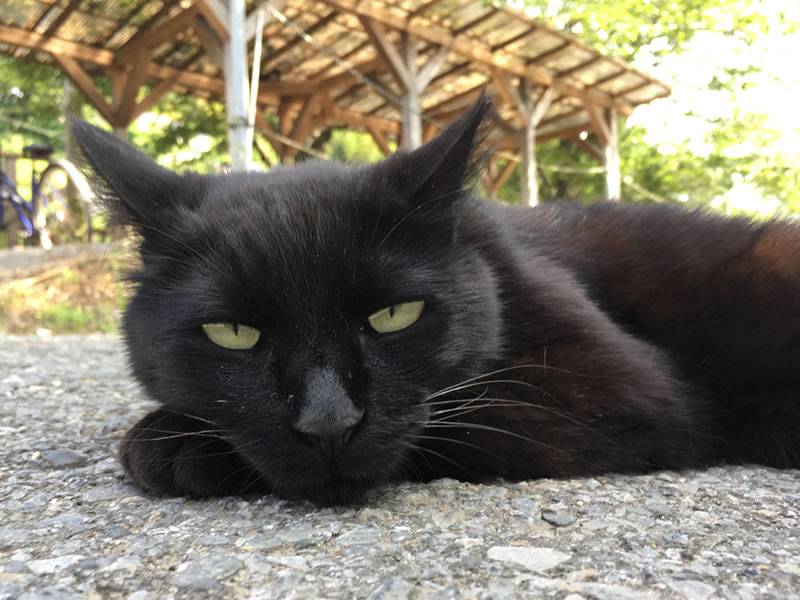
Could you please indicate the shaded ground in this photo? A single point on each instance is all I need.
(71, 527)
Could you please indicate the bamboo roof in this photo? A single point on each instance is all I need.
(323, 49)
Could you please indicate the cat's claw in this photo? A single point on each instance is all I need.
(173, 454)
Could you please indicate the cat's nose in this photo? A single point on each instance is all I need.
(327, 417)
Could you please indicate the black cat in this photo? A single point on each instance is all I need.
(318, 330)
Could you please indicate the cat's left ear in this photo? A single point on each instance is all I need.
(136, 190)
(440, 168)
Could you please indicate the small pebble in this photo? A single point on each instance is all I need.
(63, 458)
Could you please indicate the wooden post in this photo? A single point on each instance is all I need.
(531, 112)
(412, 117)
(604, 124)
(236, 88)
(402, 64)
(611, 160)
(528, 176)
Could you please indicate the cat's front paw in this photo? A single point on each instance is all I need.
(174, 454)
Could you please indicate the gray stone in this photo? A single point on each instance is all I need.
(693, 590)
(560, 517)
(606, 591)
(205, 574)
(392, 589)
(658, 507)
(9, 590)
(53, 565)
(55, 592)
(535, 559)
(63, 458)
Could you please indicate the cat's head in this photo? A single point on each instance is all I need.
(308, 311)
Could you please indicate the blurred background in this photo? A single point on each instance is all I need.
(726, 139)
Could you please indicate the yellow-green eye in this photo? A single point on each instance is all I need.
(231, 335)
(396, 317)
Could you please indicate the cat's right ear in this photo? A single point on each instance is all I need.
(135, 189)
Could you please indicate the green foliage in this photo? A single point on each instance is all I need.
(353, 146)
(30, 93)
(623, 27)
(184, 132)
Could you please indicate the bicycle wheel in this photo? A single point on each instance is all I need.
(62, 211)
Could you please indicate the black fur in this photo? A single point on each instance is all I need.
(556, 341)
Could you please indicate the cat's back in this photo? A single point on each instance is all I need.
(723, 294)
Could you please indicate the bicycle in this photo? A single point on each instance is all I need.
(59, 209)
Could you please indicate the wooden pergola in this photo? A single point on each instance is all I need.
(398, 69)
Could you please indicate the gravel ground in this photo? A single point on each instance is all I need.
(71, 527)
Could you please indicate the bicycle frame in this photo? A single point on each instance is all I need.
(23, 208)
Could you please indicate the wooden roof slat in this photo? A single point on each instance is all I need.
(68, 10)
(515, 38)
(475, 22)
(580, 67)
(298, 39)
(540, 58)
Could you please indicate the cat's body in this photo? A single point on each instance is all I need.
(520, 343)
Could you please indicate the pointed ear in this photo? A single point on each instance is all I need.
(440, 168)
(135, 189)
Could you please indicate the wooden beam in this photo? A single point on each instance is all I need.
(359, 121)
(510, 95)
(36, 41)
(504, 174)
(468, 48)
(104, 58)
(380, 139)
(216, 14)
(542, 104)
(387, 51)
(211, 42)
(430, 131)
(431, 68)
(85, 84)
(153, 97)
(304, 123)
(599, 124)
(134, 80)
